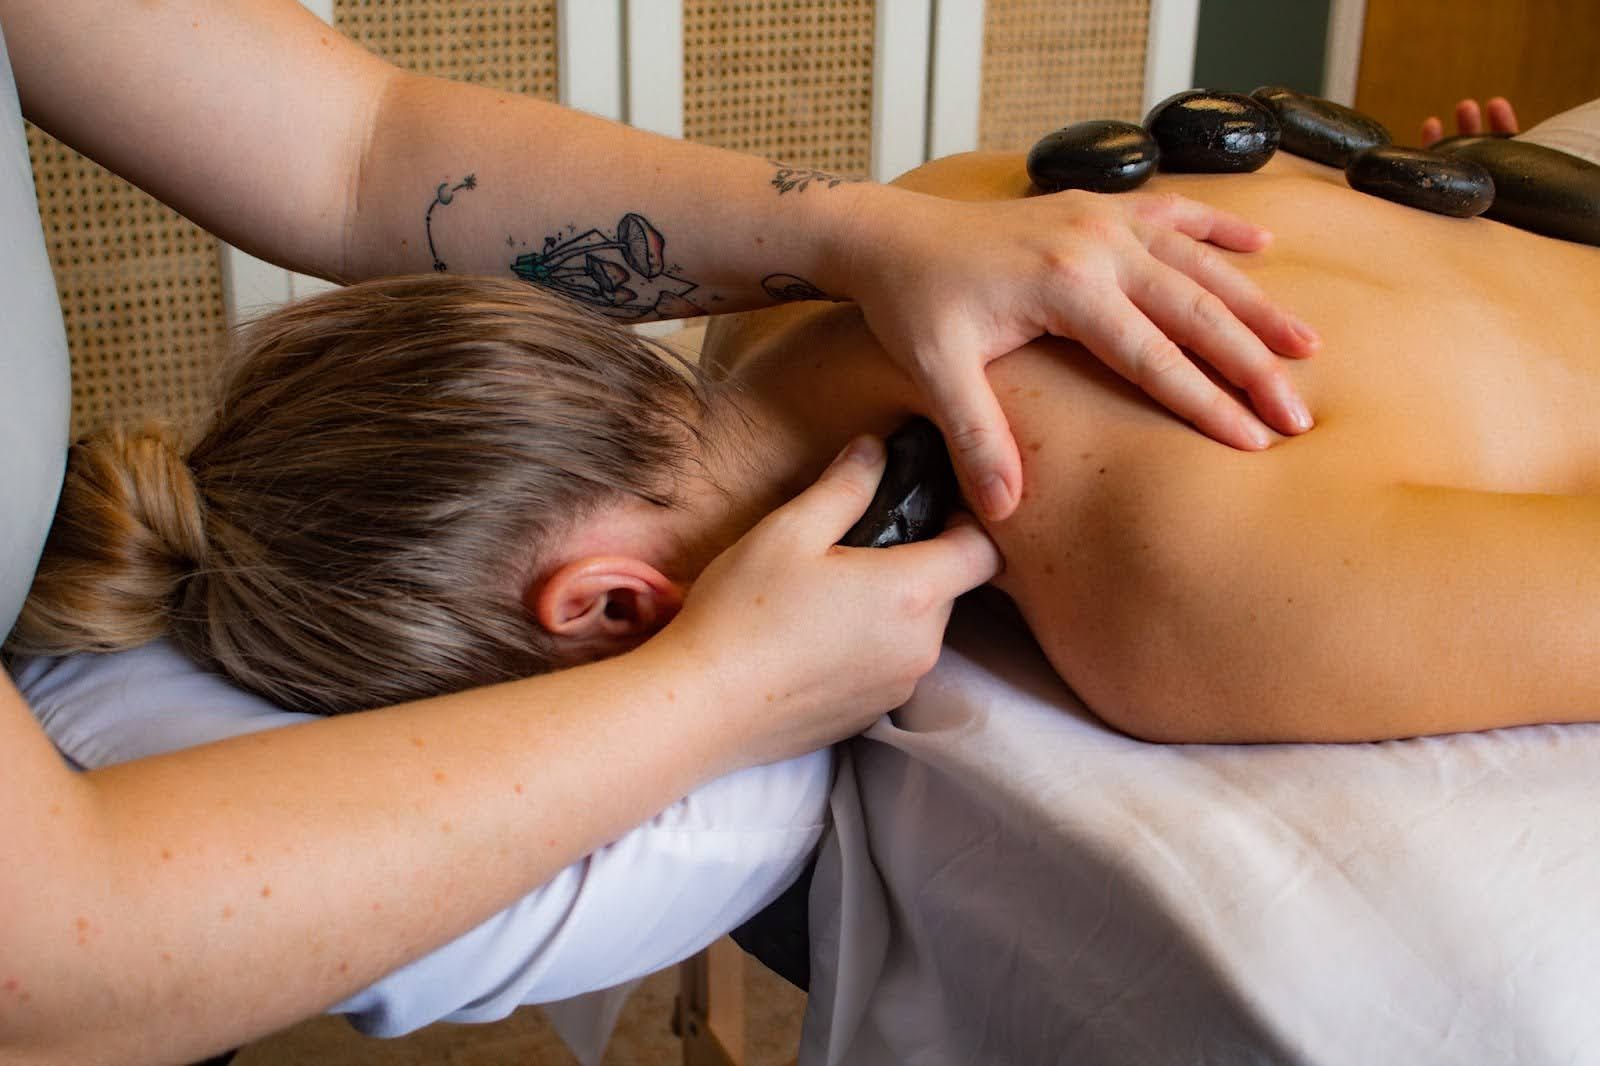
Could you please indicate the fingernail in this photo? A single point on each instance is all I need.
(1258, 434)
(865, 450)
(1299, 415)
(994, 497)
(1305, 333)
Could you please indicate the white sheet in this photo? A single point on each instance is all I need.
(1008, 881)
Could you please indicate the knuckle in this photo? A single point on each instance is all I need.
(1155, 361)
(914, 601)
(968, 440)
(1207, 310)
(1204, 259)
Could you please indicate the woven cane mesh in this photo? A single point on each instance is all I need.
(1050, 62)
(506, 45)
(140, 290)
(788, 79)
(141, 287)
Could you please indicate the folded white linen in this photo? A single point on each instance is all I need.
(1009, 881)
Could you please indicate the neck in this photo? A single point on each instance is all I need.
(755, 457)
(804, 381)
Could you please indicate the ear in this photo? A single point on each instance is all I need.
(612, 601)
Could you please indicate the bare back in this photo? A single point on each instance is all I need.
(1428, 559)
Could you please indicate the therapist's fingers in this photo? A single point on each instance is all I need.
(1135, 347)
(827, 509)
(1199, 319)
(1432, 131)
(1281, 331)
(958, 560)
(1200, 221)
(975, 430)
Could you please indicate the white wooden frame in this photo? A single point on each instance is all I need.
(1341, 66)
(1169, 50)
(251, 285)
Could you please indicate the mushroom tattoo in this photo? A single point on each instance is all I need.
(624, 276)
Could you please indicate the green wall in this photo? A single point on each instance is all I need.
(1246, 43)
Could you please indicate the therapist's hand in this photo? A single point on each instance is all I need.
(821, 640)
(947, 287)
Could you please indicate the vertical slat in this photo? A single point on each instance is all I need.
(1169, 58)
(589, 51)
(251, 285)
(956, 73)
(1342, 62)
(654, 65)
(900, 86)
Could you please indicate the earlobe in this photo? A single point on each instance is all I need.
(610, 599)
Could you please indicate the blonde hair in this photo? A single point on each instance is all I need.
(355, 526)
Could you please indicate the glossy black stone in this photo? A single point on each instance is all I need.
(916, 495)
(1102, 155)
(1213, 133)
(1537, 188)
(1449, 143)
(1320, 129)
(1424, 180)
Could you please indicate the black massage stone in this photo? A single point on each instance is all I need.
(1536, 188)
(1320, 129)
(1444, 146)
(916, 495)
(1206, 132)
(1102, 155)
(1424, 180)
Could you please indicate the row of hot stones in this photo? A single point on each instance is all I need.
(1200, 131)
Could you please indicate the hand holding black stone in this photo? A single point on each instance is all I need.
(1536, 188)
(916, 495)
(1102, 155)
(1213, 133)
(1320, 129)
(1422, 179)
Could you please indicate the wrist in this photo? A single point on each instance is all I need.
(697, 698)
(852, 236)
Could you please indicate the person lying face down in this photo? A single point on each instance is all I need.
(429, 483)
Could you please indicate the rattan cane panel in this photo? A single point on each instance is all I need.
(788, 80)
(1050, 62)
(140, 290)
(508, 46)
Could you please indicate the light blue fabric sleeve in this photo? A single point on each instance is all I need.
(35, 378)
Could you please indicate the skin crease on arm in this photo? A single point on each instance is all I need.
(168, 908)
(353, 168)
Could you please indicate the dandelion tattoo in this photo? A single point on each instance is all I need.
(442, 196)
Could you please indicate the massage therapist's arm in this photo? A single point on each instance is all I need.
(165, 909)
(266, 126)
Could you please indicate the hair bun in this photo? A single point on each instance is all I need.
(129, 531)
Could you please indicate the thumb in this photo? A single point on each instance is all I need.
(839, 497)
(975, 430)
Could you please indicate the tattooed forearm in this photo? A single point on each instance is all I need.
(788, 288)
(801, 178)
(622, 274)
(443, 195)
